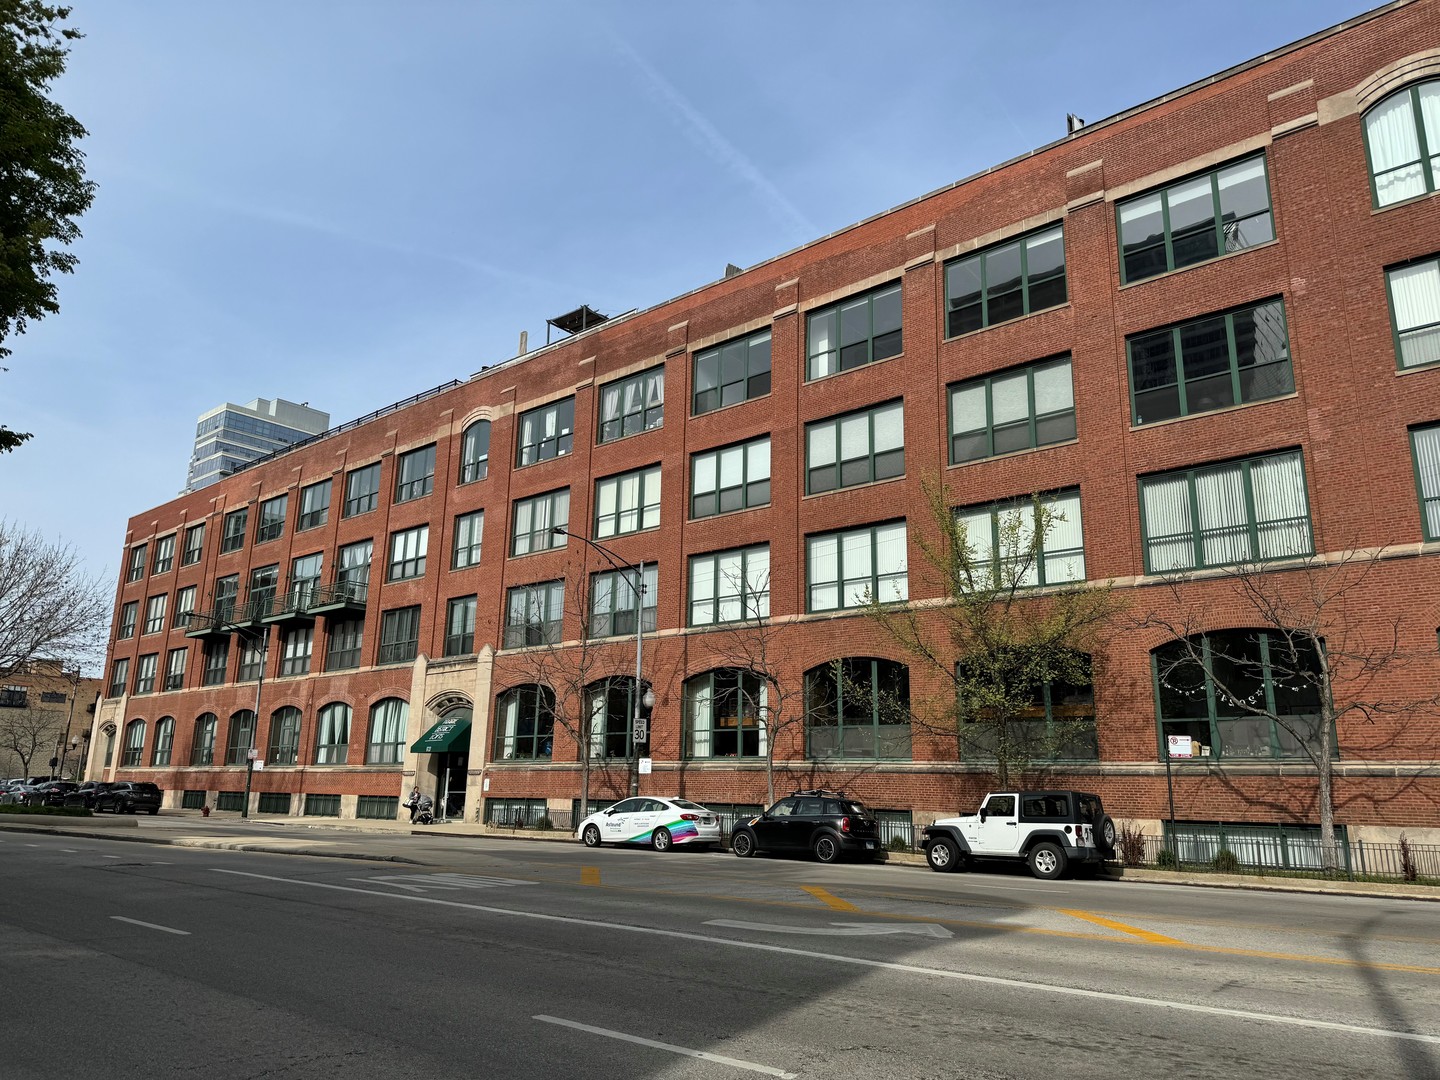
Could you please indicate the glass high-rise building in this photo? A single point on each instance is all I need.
(230, 435)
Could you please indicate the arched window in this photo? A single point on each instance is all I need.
(610, 704)
(202, 747)
(109, 743)
(1042, 710)
(525, 723)
(284, 736)
(164, 741)
(134, 743)
(241, 737)
(725, 714)
(475, 452)
(858, 707)
(1238, 694)
(1402, 141)
(332, 734)
(388, 719)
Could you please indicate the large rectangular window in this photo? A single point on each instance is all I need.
(848, 569)
(733, 478)
(1001, 539)
(613, 603)
(354, 565)
(304, 579)
(1415, 307)
(137, 563)
(194, 545)
(264, 584)
(1005, 281)
(1425, 443)
(155, 614)
(407, 553)
(119, 676)
(460, 626)
(362, 490)
(217, 659)
(252, 658)
(184, 605)
(535, 521)
(632, 405)
(399, 635)
(343, 647)
(232, 535)
(1218, 515)
(129, 614)
(857, 448)
(295, 652)
(547, 432)
(145, 669)
(271, 524)
(534, 614)
(175, 669)
(853, 333)
(415, 474)
(314, 505)
(1015, 410)
(1210, 362)
(731, 373)
(469, 530)
(164, 555)
(1195, 219)
(627, 503)
(730, 586)
(227, 591)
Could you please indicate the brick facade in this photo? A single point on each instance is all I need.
(1349, 416)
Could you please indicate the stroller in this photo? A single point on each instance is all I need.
(425, 811)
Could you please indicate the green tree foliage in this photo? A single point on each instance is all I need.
(997, 644)
(42, 177)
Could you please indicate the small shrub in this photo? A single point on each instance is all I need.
(1132, 844)
(53, 811)
(897, 843)
(1225, 862)
(1408, 870)
(1166, 860)
(545, 823)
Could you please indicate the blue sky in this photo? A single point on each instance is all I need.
(348, 203)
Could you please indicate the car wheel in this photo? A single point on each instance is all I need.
(660, 840)
(154, 810)
(1106, 833)
(827, 848)
(1046, 860)
(743, 844)
(943, 856)
(591, 836)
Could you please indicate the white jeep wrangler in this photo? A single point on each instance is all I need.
(1049, 830)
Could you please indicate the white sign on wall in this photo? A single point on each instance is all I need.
(1181, 746)
(644, 769)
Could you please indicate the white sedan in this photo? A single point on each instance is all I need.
(660, 822)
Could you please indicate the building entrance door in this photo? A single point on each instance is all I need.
(453, 770)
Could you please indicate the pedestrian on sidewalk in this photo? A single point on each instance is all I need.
(413, 802)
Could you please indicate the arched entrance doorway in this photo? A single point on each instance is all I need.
(447, 744)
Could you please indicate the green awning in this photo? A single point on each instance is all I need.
(450, 733)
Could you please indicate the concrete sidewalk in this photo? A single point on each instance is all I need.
(336, 839)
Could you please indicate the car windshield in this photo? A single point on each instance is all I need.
(686, 804)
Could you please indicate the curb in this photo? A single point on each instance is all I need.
(216, 845)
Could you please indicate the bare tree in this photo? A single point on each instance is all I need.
(49, 608)
(997, 641)
(25, 734)
(1313, 656)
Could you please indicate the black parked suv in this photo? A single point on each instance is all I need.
(51, 792)
(86, 794)
(126, 797)
(828, 824)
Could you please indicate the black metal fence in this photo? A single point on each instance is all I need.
(1284, 855)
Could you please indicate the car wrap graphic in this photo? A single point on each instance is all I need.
(680, 831)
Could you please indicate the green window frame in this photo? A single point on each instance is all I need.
(725, 714)
(469, 534)
(525, 723)
(217, 662)
(1212, 362)
(475, 452)
(610, 706)
(284, 736)
(317, 805)
(1058, 724)
(399, 635)
(1425, 451)
(314, 506)
(546, 433)
(241, 737)
(857, 331)
(1000, 535)
(534, 614)
(137, 563)
(415, 474)
(343, 644)
(202, 743)
(389, 718)
(730, 374)
(273, 802)
(133, 748)
(1402, 144)
(227, 592)
(1188, 702)
(858, 708)
(184, 606)
(362, 490)
(145, 668)
(1006, 281)
(1194, 220)
(296, 647)
(155, 614)
(613, 601)
(859, 447)
(409, 549)
(730, 479)
(843, 568)
(1414, 292)
(534, 521)
(332, 734)
(460, 626)
(730, 586)
(1020, 409)
(175, 669)
(1250, 509)
(164, 555)
(164, 746)
(627, 503)
(270, 525)
(632, 405)
(252, 658)
(129, 614)
(260, 594)
(378, 807)
(194, 545)
(232, 534)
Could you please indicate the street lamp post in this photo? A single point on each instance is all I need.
(640, 733)
(251, 753)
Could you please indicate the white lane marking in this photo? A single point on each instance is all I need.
(70, 850)
(748, 1066)
(443, 882)
(32, 845)
(841, 929)
(110, 856)
(151, 925)
(885, 965)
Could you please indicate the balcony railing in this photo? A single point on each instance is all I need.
(338, 595)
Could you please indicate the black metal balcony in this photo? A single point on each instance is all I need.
(291, 607)
(339, 599)
(213, 623)
(252, 612)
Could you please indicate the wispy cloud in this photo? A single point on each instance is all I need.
(694, 125)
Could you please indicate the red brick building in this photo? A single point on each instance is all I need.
(1209, 327)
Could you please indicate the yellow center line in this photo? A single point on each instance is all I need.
(827, 899)
(589, 875)
(1110, 924)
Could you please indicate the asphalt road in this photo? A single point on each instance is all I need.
(489, 958)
